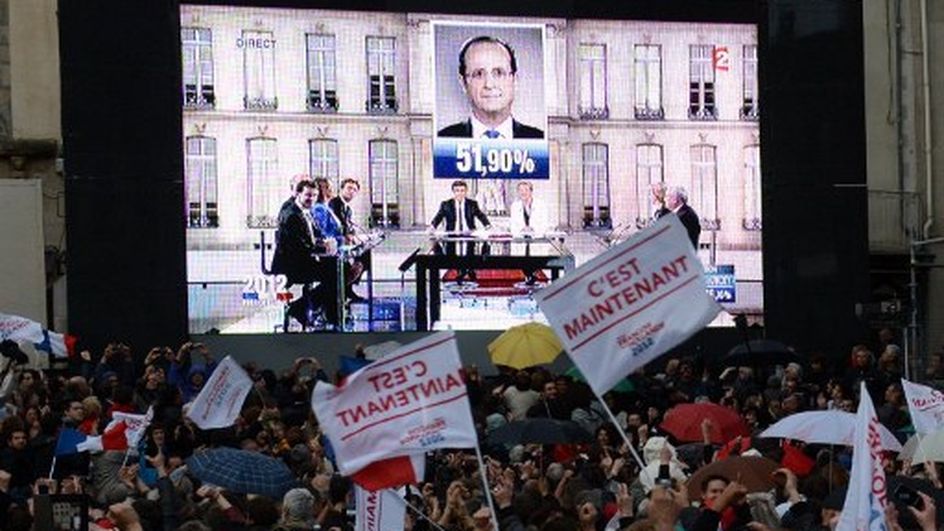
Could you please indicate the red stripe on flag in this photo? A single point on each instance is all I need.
(386, 474)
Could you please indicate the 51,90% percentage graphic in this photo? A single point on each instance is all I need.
(489, 161)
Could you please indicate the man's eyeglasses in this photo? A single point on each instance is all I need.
(498, 74)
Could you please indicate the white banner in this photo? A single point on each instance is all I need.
(382, 510)
(407, 402)
(222, 396)
(926, 406)
(630, 304)
(866, 499)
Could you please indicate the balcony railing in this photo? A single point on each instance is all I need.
(649, 113)
(260, 103)
(703, 114)
(593, 113)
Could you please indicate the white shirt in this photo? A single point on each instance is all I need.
(504, 129)
(309, 221)
(461, 224)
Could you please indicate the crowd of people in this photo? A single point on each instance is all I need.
(586, 486)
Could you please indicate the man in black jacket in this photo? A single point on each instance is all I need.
(676, 200)
(299, 247)
(340, 205)
(460, 215)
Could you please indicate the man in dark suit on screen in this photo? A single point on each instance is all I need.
(299, 255)
(676, 200)
(460, 215)
(340, 205)
(488, 74)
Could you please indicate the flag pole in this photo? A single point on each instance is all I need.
(419, 513)
(629, 443)
(488, 491)
(52, 468)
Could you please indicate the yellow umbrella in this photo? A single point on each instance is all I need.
(525, 346)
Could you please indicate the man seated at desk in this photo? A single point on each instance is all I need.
(460, 215)
(333, 227)
(340, 205)
(299, 246)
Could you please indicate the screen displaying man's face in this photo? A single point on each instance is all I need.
(489, 82)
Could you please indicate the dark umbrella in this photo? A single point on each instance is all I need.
(540, 430)
(755, 473)
(242, 471)
(761, 352)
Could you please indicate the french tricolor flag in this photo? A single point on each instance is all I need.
(23, 330)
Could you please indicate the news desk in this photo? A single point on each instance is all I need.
(472, 252)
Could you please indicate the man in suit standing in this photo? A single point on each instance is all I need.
(460, 215)
(488, 74)
(676, 200)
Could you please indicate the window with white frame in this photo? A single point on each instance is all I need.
(384, 195)
(701, 74)
(596, 185)
(322, 73)
(750, 108)
(196, 46)
(752, 189)
(703, 189)
(259, 70)
(200, 177)
(591, 60)
(649, 171)
(647, 68)
(323, 159)
(381, 64)
(263, 191)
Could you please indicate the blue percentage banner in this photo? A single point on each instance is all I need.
(721, 284)
(490, 159)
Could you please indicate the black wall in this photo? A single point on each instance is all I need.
(124, 192)
(813, 164)
(121, 129)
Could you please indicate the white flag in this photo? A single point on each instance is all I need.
(222, 396)
(382, 510)
(864, 508)
(926, 406)
(136, 424)
(630, 304)
(410, 401)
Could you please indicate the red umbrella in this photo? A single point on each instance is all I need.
(684, 422)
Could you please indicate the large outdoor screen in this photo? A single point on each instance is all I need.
(568, 135)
